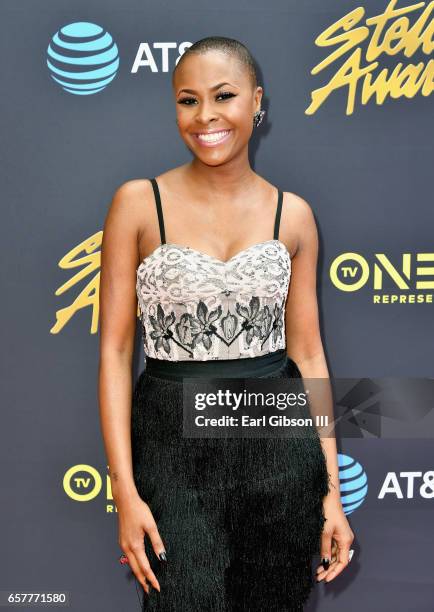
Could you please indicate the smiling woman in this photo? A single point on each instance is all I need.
(236, 97)
(219, 524)
(210, 139)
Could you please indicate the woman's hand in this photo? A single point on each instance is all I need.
(136, 520)
(336, 540)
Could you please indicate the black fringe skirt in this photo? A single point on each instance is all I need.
(240, 518)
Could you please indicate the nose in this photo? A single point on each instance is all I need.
(206, 112)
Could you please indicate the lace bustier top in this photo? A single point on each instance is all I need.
(194, 306)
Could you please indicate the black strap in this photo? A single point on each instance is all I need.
(159, 209)
(278, 211)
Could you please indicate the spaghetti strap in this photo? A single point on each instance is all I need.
(278, 211)
(159, 209)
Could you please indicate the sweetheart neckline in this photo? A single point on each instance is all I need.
(220, 261)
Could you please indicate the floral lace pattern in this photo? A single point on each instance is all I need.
(194, 306)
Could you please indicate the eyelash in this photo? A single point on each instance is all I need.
(226, 94)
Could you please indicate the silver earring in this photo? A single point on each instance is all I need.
(257, 117)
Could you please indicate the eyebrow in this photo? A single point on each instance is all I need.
(192, 91)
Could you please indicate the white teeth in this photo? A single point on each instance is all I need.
(213, 137)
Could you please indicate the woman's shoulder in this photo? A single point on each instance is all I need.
(291, 201)
(143, 187)
(131, 200)
(297, 219)
(296, 202)
(133, 188)
(295, 207)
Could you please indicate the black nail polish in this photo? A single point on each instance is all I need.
(325, 563)
(162, 556)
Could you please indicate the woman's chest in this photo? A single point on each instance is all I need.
(178, 273)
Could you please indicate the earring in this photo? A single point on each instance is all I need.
(257, 117)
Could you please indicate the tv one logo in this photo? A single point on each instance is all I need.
(83, 58)
(83, 483)
(352, 271)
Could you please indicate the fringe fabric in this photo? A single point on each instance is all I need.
(241, 518)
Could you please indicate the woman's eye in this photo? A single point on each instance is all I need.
(185, 100)
(225, 95)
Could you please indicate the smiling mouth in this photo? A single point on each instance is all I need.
(212, 138)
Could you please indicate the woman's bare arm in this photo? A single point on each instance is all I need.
(118, 318)
(304, 346)
(303, 336)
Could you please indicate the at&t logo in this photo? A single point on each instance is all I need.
(82, 58)
(353, 483)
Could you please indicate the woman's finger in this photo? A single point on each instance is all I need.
(136, 570)
(157, 542)
(321, 572)
(323, 567)
(326, 549)
(144, 565)
(343, 560)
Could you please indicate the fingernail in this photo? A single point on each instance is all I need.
(162, 556)
(325, 563)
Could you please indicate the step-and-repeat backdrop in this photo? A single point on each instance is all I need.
(348, 93)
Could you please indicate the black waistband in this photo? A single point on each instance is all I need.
(246, 367)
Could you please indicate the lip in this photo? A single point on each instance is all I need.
(212, 144)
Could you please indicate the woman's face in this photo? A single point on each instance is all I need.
(223, 115)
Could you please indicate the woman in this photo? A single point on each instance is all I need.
(214, 524)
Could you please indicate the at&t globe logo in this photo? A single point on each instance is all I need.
(353, 483)
(83, 58)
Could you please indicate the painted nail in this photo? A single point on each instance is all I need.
(325, 563)
(162, 556)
